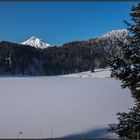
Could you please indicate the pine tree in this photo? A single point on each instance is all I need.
(127, 69)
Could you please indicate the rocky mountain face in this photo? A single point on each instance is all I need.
(35, 57)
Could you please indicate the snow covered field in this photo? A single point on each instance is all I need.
(59, 106)
(100, 73)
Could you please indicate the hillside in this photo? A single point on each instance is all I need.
(76, 56)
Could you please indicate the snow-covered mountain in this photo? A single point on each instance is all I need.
(107, 43)
(36, 42)
(120, 34)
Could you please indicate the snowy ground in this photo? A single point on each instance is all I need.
(100, 73)
(60, 106)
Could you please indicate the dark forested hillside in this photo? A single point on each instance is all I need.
(69, 58)
(77, 56)
(19, 59)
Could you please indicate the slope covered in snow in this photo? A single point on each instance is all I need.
(36, 42)
(120, 34)
(100, 73)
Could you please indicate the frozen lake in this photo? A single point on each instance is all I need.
(58, 106)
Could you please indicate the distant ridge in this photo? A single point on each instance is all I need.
(122, 33)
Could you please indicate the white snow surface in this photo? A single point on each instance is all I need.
(100, 73)
(122, 33)
(44, 107)
(36, 42)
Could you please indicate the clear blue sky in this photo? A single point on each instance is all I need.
(59, 22)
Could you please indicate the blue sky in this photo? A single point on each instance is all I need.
(59, 22)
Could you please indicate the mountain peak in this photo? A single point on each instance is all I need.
(36, 42)
(33, 37)
(117, 33)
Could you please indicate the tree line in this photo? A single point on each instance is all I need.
(76, 56)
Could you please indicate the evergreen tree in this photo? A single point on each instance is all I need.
(127, 69)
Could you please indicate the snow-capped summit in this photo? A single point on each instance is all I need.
(36, 42)
(117, 34)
